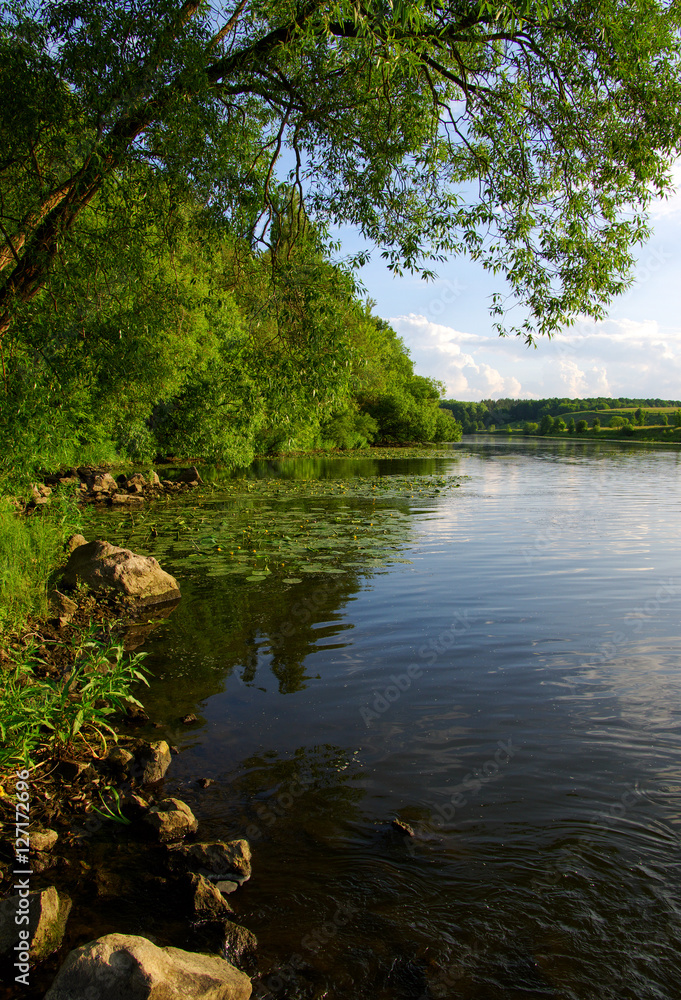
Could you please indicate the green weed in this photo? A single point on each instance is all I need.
(39, 715)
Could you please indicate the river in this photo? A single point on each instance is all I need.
(511, 689)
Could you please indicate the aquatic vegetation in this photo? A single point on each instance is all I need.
(255, 528)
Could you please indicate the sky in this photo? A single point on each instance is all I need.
(635, 352)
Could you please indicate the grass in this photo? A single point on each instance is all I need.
(30, 549)
(40, 717)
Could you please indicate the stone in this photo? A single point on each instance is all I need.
(401, 827)
(127, 498)
(62, 606)
(137, 480)
(40, 490)
(203, 898)
(190, 476)
(119, 758)
(74, 542)
(135, 806)
(172, 820)
(239, 945)
(235, 943)
(205, 782)
(102, 483)
(136, 716)
(217, 860)
(48, 913)
(188, 719)
(134, 488)
(119, 966)
(103, 566)
(154, 760)
(72, 770)
(43, 840)
(227, 888)
(153, 479)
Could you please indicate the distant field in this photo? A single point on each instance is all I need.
(606, 415)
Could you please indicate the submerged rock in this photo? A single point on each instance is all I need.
(107, 567)
(48, 913)
(119, 966)
(217, 860)
(172, 820)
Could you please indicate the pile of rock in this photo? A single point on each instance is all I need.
(100, 486)
(200, 877)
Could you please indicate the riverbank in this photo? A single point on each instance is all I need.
(80, 792)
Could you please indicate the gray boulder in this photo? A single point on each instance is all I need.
(107, 567)
(154, 760)
(172, 820)
(119, 966)
(48, 913)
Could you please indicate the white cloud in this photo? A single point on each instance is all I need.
(620, 357)
(672, 204)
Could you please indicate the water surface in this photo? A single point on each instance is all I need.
(512, 690)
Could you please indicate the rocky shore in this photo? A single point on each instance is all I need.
(88, 804)
(98, 485)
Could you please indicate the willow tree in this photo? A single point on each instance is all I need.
(528, 135)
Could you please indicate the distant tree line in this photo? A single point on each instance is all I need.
(488, 413)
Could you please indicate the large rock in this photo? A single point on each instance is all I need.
(127, 967)
(154, 760)
(172, 820)
(107, 567)
(216, 860)
(48, 913)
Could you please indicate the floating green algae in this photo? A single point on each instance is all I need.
(253, 529)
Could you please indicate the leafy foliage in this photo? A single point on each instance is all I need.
(435, 128)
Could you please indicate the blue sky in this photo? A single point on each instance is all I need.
(635, 352)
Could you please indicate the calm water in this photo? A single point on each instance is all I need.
(513, 692)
